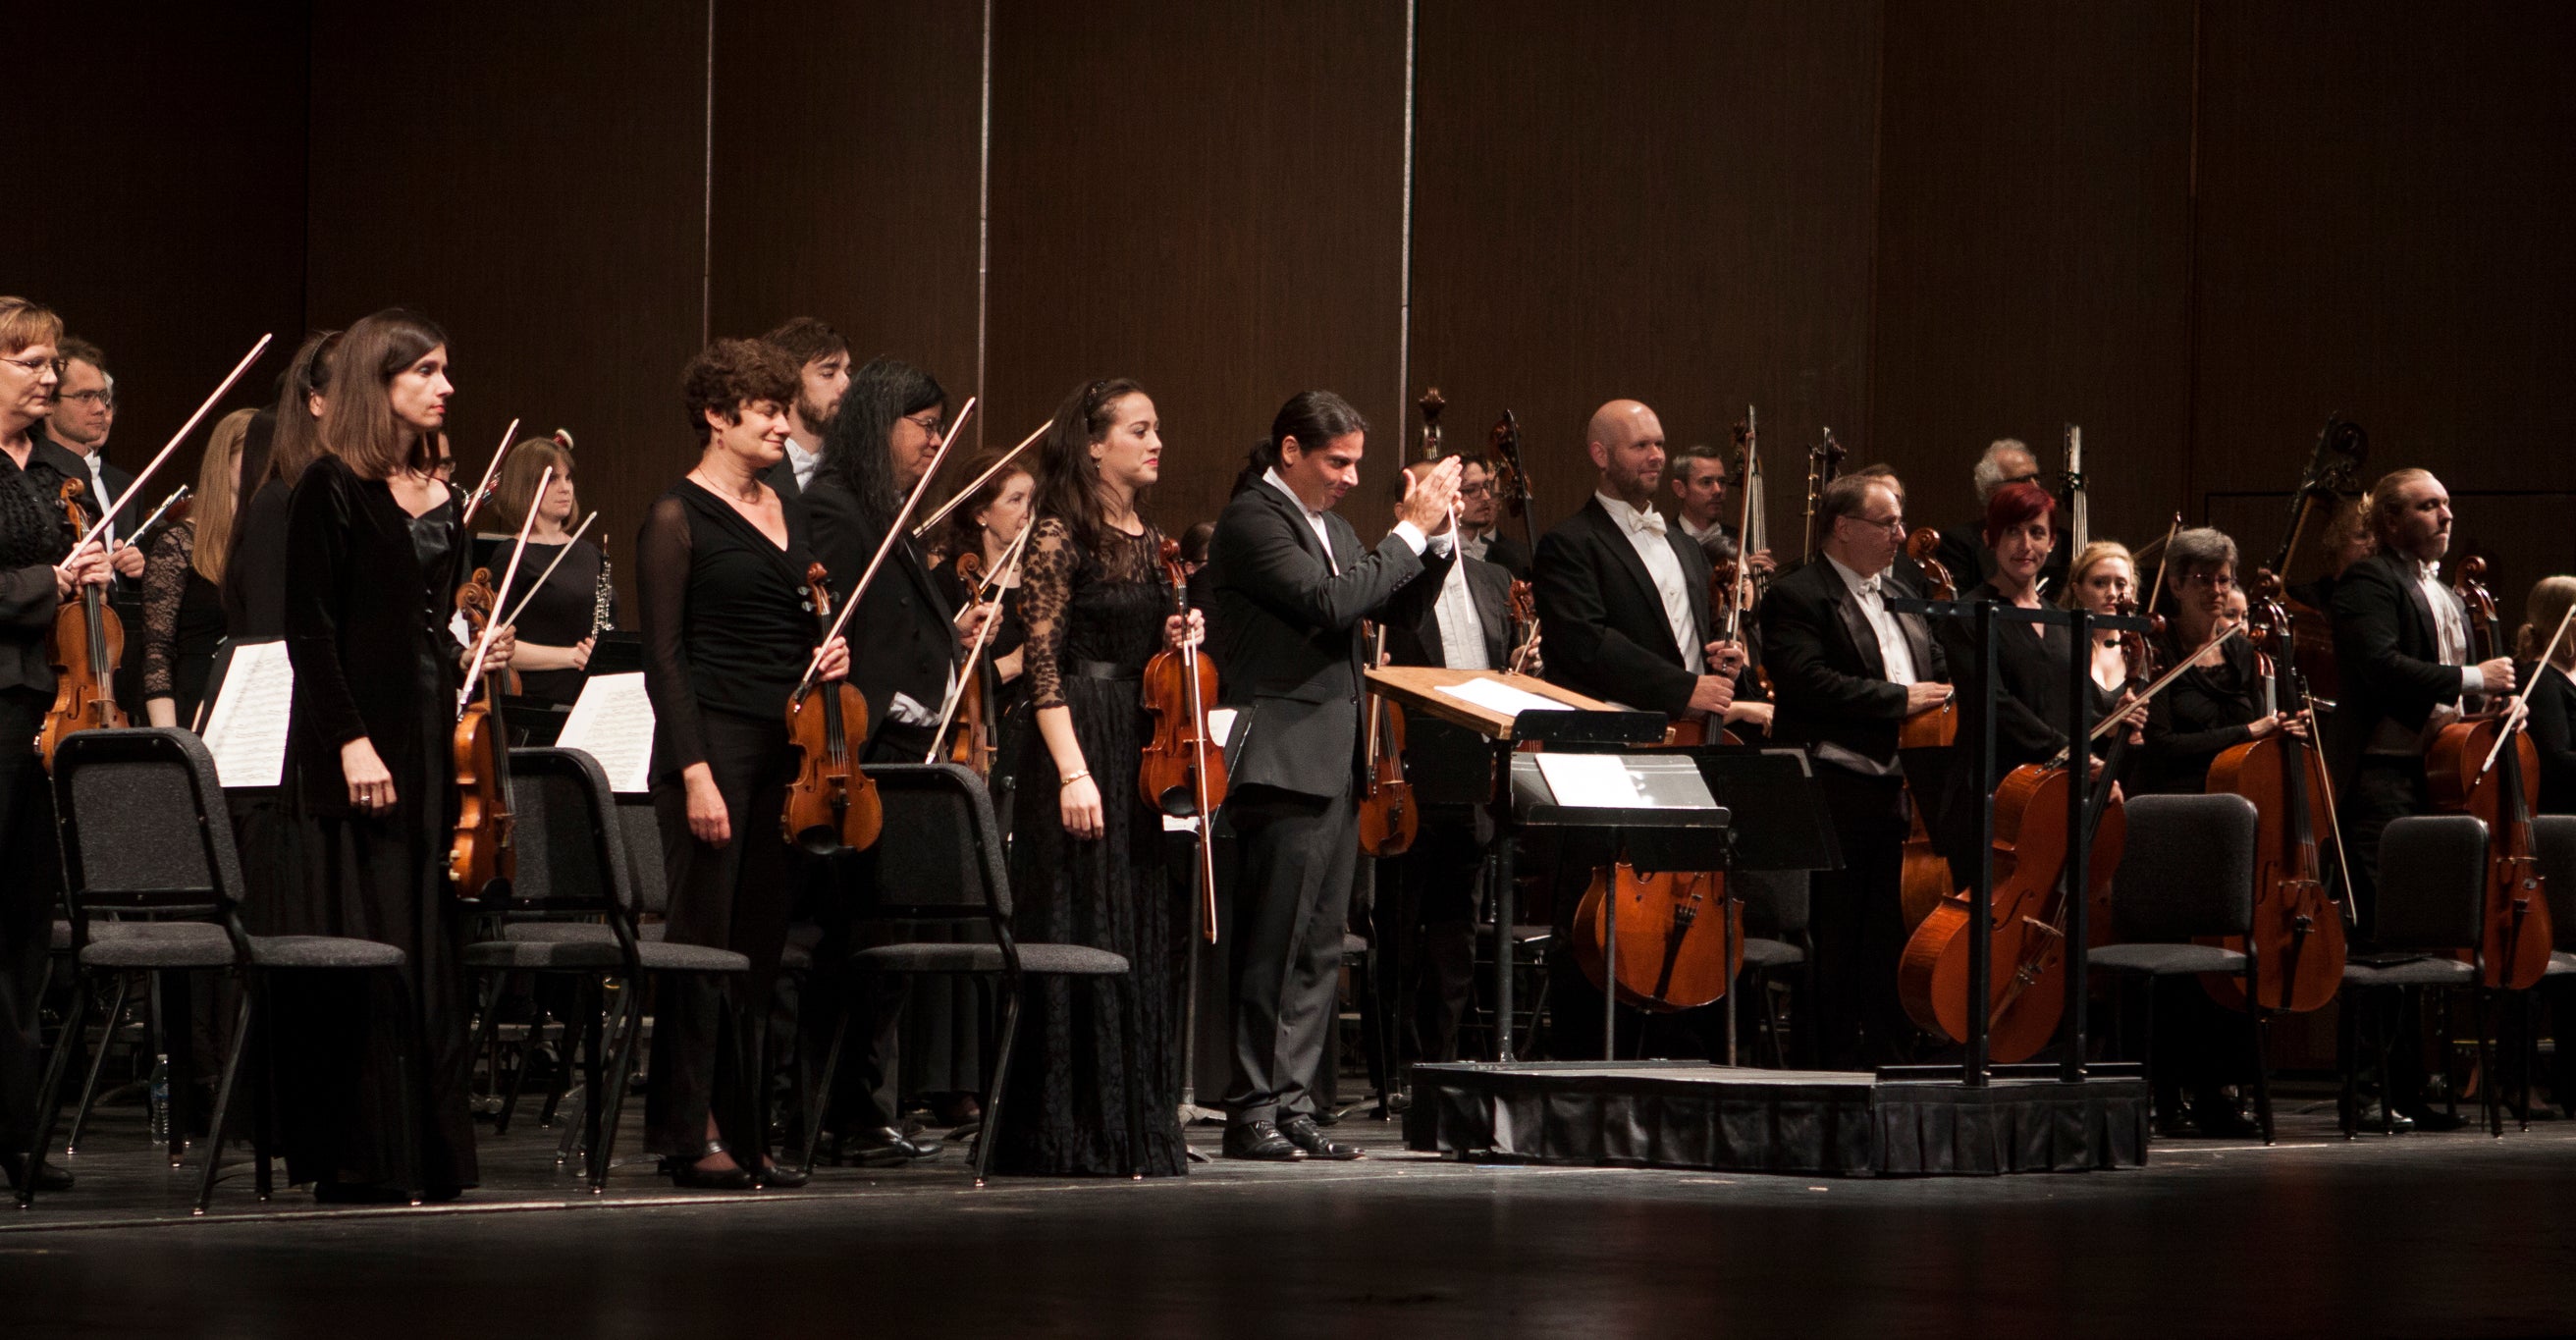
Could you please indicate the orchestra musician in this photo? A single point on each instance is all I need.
(255, 574)
(2218, 703)
(375, 1073)
(1699, 475)
(729, 627)
(84, 413)
(1846, 672)
(984, 525)
(1456, 615)
(183, 606)
(822, 358)
(1086, 850)
(2550, 693)
(561, 623)
(1291, 584)
(1479, 511)
(38, 572)
(882, 437)
(1964, 551)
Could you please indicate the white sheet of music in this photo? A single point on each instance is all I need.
(1496, 696)
(613, 722)
(246, 726)
(1590, 781)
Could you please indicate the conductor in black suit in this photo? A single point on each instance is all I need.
(1845, 674)
(1291, 584)
(1456, 616)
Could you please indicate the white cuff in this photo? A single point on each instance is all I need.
(2472, 679)
(1412, 536)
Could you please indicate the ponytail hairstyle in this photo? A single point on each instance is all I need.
(296, 441)
(1068, 479)
(1313, 418)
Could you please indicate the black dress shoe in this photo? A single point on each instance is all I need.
(1302, 1132)
(688, 1176)
(51, 1178)
(886, 1147)
(781, 1176)
(1260, 1140)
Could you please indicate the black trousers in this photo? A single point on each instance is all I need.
(29, 898)
(2385, 788)
(706, 1033)
(1291, 899)
(1426, 924)
(1857, 920)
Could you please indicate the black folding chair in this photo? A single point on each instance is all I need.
(941, 861)
(146, 833)
(2431, 890)
(1775, 944)
(574, 875)
(2187, 871)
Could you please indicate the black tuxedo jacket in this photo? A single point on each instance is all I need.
(781, 478)
(1604, 625)
(1508, 553)
(1284, 626)
(2387, 652)
(901, 639)
(1828, 681)
(1413, 619)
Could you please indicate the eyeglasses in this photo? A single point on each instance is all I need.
(1896, 522)
(93, 399)
(1476, 490)
(927, 422)
(35, 367)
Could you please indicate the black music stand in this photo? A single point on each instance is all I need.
(1976, 1071)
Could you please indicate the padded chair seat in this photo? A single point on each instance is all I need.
(794, 958)
(1354, 946)
(929, 956)
(2560, 962)
(2408, 972)
(198, 944)
(1760, 952)
(2166, 960)
(599, 953)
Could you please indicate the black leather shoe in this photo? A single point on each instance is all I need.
(688, 1176)
(51, 1178)
(781, 1176)
(886, 1147)
(1302, 1132)
(1260, 1140)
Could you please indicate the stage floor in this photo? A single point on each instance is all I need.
(2454, 1234)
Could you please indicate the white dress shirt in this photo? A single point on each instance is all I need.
(1410, 533)
(1869, 594)
(97, 463)
(1462, 632)
(1645, 532)
(802, 462)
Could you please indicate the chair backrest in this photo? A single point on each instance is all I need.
(1775, 901)
(572, 856)
(646, 859)
(941, 854)
(2553, 841)
(2432, 883)
(2187, 868)
(144, 824)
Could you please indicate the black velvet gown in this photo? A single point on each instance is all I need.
(1094, 620)
(373, 1069)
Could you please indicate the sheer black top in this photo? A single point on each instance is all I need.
(728, 621)
(563, 611)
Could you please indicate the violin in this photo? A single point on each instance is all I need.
(1183, 770)
(88, 645)
(484, 851)
(1525, 619)
(1389, 820)
(2027, 938)
(971, 744)
(832, 803)
(2487, 766)
(1680, 937)
(1511, 482)
(2298, 928)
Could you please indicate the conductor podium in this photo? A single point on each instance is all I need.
(1738, 809)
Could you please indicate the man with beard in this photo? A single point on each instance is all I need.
(1479, 508)
(823, 359)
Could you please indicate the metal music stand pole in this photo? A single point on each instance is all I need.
(1981, 896)
(2079, 847)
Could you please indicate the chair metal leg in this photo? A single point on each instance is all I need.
(621, 1065)
(224, 1103)
(823, 1091)
(1000, 1075)
(593, 1069)
(2488, 1097)
(263, 1182)
(2262, 1066)
(97, 1064)
(2387, 1090)
(49, 1095)
(2348, 1056)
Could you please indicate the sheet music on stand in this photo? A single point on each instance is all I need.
(612, 722)
(249, 702)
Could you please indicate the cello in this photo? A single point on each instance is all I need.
(1389, 820)
(88, 644)
(2298, 926)
(1926, 878)
(1680, 937)
(832, 802)
(2487, 766)
(1182, 767)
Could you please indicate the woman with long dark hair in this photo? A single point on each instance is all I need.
(1086, 852)
(375, 1074)
(254, 585)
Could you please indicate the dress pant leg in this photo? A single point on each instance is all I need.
(1443, 875)
(2383, 789)
(29, 898)
(1857, 920)
(1291, 900)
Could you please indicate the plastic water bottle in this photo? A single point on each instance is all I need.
(160, 1099)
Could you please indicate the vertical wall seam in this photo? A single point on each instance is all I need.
(2191, 282)
(707, 198)
(1404, 239)
(984, 218)
(1870, 347)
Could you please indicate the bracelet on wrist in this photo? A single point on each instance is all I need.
(1071, 777)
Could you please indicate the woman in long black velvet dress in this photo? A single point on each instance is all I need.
(1086, 852)
(374, 1070)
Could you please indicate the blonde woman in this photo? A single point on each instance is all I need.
(563, 620)
(183, 577)
(2551, 691)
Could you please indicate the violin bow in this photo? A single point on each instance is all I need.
(1744, 535)
(983, 637)
(569, 542)
(108, 509)
(491, 627)
(2109, 723)
(978, 481)
(2156, 592)
(894, 532)
(2521, 710)
(474, 500)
